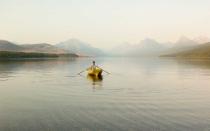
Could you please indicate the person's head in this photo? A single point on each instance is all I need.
(94, 62)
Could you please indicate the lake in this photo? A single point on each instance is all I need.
(148, 94)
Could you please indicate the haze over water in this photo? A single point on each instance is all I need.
(139, 94)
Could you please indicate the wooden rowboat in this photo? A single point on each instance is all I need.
(95, 78)
(94, 71)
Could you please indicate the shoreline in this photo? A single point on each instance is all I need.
(10, 55)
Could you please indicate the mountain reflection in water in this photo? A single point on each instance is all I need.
(139, 94)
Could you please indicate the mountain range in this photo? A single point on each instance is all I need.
(80, 48)
(36, 48)
(9, 46)
(146, 47)
(182, 48)
(150, 47)
(200, 51)
(71, 46)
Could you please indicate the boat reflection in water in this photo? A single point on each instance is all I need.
(96, 81)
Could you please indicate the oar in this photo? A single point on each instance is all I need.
(106, 71)
(80, 72)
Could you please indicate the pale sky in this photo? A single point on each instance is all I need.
(103, 23)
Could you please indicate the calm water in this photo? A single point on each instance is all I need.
(140, 94)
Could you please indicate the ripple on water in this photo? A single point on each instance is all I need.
(47, 96)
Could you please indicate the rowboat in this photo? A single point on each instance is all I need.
(94, 71)
(95, 78)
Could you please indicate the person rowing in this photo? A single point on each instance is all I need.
(94, 65)
(94, 70)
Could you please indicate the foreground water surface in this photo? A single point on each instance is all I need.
(139, 94)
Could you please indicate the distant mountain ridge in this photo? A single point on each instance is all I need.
(9, 46)
(34, 48)
(43, 48)
(200, 51)
(80, 48)
(184, 42)
(150, 47)
(72, 46)
(146, 47)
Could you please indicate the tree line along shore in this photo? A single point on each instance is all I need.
(10, 54)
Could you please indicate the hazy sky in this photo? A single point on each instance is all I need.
(103, 23)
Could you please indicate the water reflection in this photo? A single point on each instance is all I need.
(198, 63)
(96, 81)
(13, 68)
(147, 94)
